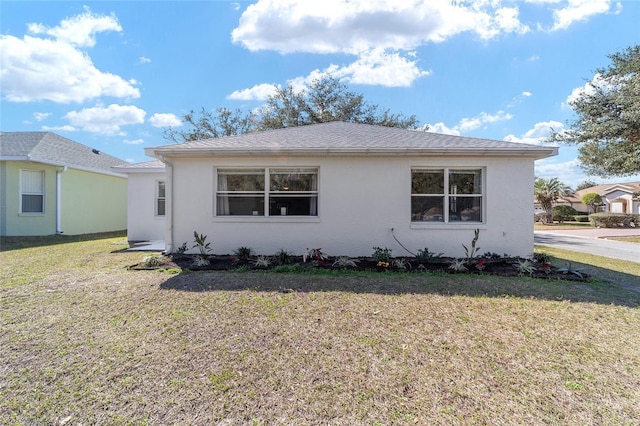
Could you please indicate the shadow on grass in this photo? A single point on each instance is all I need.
(17, 243)
(471, 285)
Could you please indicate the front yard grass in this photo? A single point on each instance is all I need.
(83, 340)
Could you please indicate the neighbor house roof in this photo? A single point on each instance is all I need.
(154, 166)
(602, 190)
(342, 138)
(50, 148)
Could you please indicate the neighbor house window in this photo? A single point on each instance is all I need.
(446, 195)
(32, 191)
(160, 198)
(267, 192)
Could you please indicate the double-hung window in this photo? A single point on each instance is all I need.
(160, 198)
(32, 191)
(267, 192)
(446, 195)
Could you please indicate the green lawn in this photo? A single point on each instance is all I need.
(83, 340)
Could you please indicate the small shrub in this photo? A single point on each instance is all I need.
(425, 254)
(314, 254)
(201, 261)
(480, 264)
(154, 260)
(525, 267)
(458, 265)
(282, 257)
(470, 253)
(381, 254)
(541, 257)
(200, 243)
(345, 262)
(401, 264)
(182, 249)
(562, 213)
(610, 220)
(243, 253)
(262, 262)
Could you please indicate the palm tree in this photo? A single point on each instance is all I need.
(547, 192)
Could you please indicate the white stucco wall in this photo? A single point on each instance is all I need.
(142, 222)
(360, 200)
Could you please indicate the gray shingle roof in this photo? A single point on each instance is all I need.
(341, 137)
(49, 148)
(147, 166)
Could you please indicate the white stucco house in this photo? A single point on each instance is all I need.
(341, 187)
(616, 198)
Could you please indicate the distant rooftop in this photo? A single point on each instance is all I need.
(50, 148)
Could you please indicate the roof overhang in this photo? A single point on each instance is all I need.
(164, 152)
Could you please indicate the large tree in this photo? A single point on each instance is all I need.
(547, 191)
(607, 128)
(326, 99)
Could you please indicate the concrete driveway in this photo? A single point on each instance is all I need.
(593, 241)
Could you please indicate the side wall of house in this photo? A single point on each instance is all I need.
(15, 223)
(142, 222)
(93, 202)
(360, 200)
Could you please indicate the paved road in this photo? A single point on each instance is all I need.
(589, 244)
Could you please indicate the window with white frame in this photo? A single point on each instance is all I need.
(160, 198)
(32, 191)
(446, 195)
(267, 192)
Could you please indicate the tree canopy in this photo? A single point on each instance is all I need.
(592, 199)
(607, 128)
(326, 99)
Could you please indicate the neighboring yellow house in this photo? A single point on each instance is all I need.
(50, 184)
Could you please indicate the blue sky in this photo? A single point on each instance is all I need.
(113, 74)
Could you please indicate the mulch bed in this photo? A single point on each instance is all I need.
(504, 266)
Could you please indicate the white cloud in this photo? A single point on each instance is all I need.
(469, 124)
(568, 172)
(144, 60)
(259, 92)
(133, 142)
(165, 120)
(41, 116)
(538, 134)
(580, 10)
(383, 68)
(106, 121)
(35, 69)
(65, 128)
(79, 30)
(442, 128)
(352, 26)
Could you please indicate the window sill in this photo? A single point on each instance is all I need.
(34, 214)
(449, 226)
(266, 219)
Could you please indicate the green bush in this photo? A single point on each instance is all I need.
(611, 220)
(581, 218)
(562, 213)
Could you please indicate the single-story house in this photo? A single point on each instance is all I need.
(616, 198)
(146, 200)
(343, 187)
(50, 184)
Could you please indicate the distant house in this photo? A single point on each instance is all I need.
(616, 198)
(50, 184)
(341, 187)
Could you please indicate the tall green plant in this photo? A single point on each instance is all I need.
(200, 243)
(547, 192)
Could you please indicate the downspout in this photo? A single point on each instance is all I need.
(168, 214)
(59, 199)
